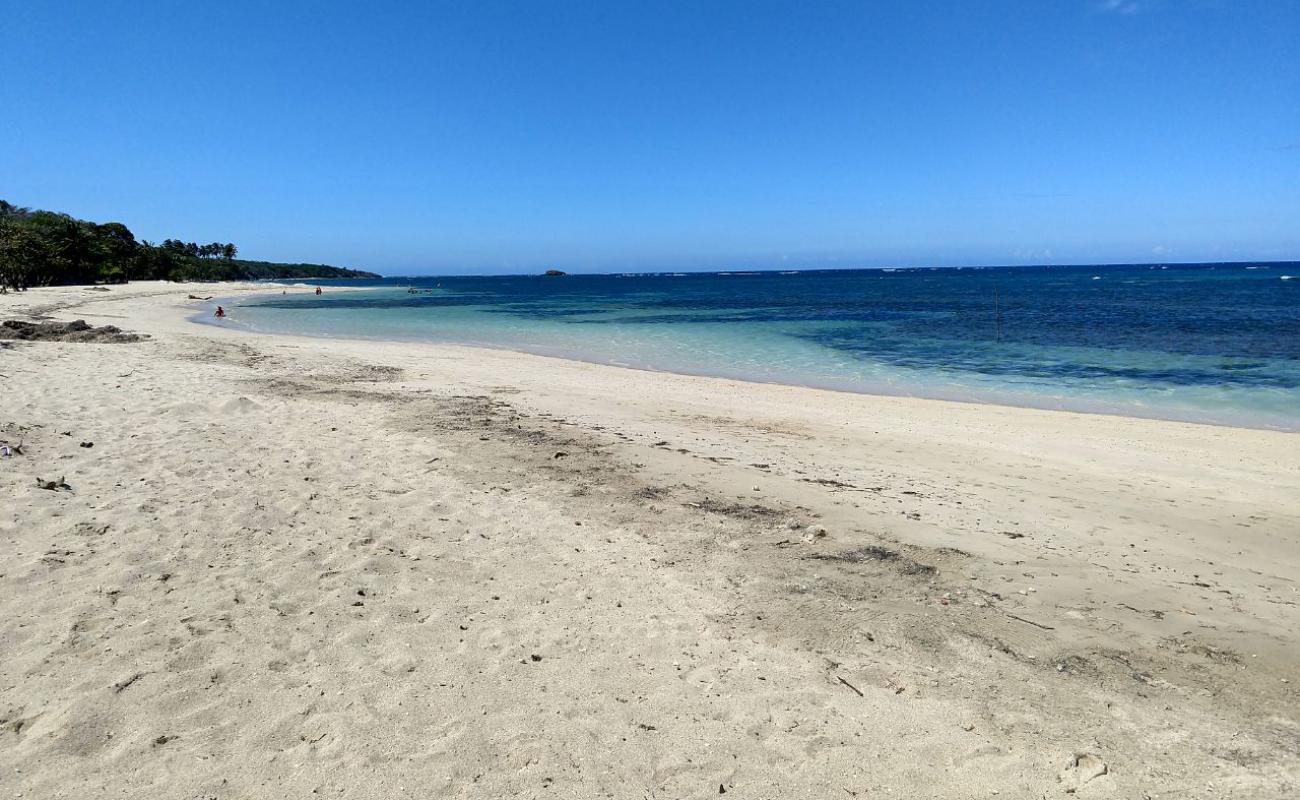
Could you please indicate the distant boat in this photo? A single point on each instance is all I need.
(554, 273)
(1288, 277)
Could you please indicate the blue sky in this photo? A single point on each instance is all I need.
(485, 136)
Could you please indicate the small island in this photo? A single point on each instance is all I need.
(554, 273)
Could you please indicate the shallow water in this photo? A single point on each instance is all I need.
(1206, 343)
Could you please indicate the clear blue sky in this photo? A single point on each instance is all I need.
(481, 136)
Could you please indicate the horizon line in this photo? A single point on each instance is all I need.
(784, 270)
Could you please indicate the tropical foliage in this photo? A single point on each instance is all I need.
(44, 248)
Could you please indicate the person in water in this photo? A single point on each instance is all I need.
(220, 313)
(317, 290)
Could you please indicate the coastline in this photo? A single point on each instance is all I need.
(1074, 404)
(405, 526)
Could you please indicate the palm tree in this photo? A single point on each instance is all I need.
(72, 246)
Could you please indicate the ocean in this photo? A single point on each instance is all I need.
(1213, 343)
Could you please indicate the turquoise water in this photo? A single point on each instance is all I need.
(1206, 343)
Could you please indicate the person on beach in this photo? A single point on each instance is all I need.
(220, 313)
(317, 290)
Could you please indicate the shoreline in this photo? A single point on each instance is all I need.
(1074, 405)
(383, 568)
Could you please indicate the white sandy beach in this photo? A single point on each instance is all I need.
(294, 567)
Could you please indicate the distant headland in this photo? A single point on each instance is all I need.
(47, 248)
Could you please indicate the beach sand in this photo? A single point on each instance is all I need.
(293, 567)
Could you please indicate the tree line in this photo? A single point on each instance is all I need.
(46, 248)
(214, 250)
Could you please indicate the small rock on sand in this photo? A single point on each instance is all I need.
(814, 533)
(1083, 767)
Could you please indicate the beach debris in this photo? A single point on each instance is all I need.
(535, 658)
(870, 553)
(855, 689)
(828, 482)
(1083, 767)
(560, 454)
(87, 445)
(76, 331)
(196, 297)
(162, 740)
(53, 486)
(751, 511)
(122, 684)
(1031, 622)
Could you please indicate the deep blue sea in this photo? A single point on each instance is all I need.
(1207, 343)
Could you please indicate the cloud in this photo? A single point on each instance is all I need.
(1033, 254)
(1160, 250)
(1121, 6)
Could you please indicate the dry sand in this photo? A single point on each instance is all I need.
(295, 567)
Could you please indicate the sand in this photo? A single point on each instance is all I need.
(293, 567)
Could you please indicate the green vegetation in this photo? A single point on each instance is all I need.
(45, 248)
